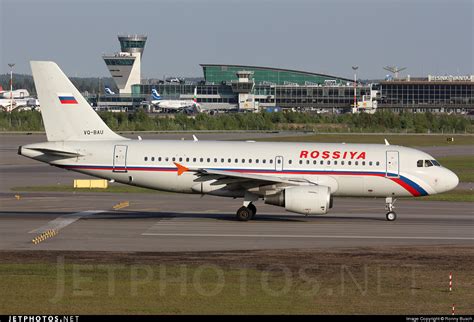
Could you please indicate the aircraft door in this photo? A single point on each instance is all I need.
(392, 164)
(279, 163)
(120, 158)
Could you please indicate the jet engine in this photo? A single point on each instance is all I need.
(307, 200)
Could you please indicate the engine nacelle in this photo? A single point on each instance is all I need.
(307, 200)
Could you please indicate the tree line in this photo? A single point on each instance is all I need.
(381, 121)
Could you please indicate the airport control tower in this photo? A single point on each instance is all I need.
(125, 65)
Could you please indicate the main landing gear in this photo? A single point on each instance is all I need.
(391, 215)
(246, 213)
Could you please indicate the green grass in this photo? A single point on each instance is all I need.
(352, 288)
(453, 195)
(407, 140)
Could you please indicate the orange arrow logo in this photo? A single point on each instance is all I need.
(181, 168)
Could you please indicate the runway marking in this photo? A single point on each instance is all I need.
(308, 236)
(65, 220)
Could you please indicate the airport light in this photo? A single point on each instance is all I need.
(355, 88)
(11, 86)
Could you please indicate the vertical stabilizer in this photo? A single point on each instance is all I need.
(67, 116)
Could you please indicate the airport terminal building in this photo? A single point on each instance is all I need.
(255, 88)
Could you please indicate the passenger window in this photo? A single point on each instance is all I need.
(329, 162)
(236, 160)
(256, 161)
(428, 163)
(166, 159)
(301, 161)
(222, 160)
(229, 160)
(187, 159)
(194, 159)
(180, 159)
(290, 162)
(159, 159)
(174, 159)
(377, 163)
(335, 162)
(201, 159)
(321, 162)
(243, 160)
(342, 162)
(152, 158)
(349, 162)
(250, 160)
(146, 158)
(215, 159)
(271, 160)
(208, 159)
(307, 161)
(363, 162)
(315, 162)
(419, 163)
(264, 161)
(357, 163)
(370, 162)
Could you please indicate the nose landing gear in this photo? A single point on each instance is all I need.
(391, 215)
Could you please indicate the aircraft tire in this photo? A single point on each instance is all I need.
(391, 216)
(244, 214)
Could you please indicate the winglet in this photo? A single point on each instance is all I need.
(386, 142)
(181, 168)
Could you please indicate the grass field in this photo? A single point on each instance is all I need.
(411, 280)
(406, 140)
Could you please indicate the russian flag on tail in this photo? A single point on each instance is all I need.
(67, 98)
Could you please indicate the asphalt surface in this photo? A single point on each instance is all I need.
(174, 222)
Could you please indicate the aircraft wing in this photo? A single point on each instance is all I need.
(240, 179)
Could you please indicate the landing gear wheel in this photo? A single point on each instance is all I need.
(391, 216)
(252, 209)
(244, 214)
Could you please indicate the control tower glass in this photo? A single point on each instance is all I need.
(132, 43)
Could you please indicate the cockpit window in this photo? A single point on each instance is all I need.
(419, 163)
(436, 163)
(428, 163)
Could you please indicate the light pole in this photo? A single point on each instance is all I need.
(354, 110)
(11, 86)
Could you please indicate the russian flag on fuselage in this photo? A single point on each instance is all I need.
(67, 98)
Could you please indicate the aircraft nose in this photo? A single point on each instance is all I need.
(451, 181)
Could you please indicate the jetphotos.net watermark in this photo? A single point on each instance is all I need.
(210, 280)
(43, 318)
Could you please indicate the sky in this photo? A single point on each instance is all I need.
(323, 36)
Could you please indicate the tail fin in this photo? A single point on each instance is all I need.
(67, 116)
(155, 94)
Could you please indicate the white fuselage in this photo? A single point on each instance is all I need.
(348, 169)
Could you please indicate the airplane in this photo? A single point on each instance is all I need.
(19, 93)
(109, 91)
(301, 177)
(174, 105)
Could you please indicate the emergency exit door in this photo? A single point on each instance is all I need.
(392, 164)
(120, 158)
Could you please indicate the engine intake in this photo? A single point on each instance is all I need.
(307, 200)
